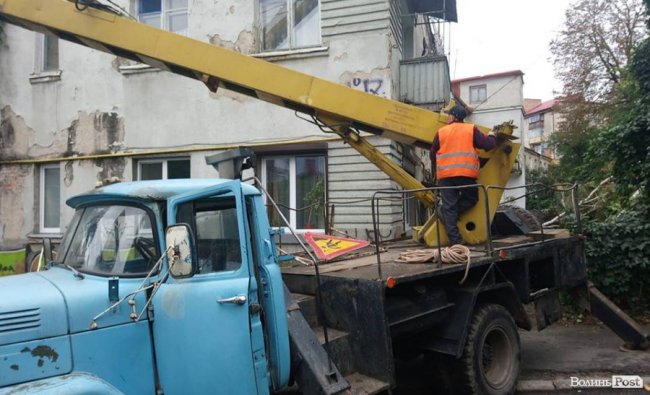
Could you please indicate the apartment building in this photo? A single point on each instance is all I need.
(72, 118)
(541, 121)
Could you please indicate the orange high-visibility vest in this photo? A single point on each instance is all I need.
(457, 156)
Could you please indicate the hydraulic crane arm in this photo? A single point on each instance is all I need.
(341, 108)
(217, 66)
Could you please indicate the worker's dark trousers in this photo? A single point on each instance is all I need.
(455, 202)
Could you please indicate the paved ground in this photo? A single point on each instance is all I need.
(549, 360)
(551, 357)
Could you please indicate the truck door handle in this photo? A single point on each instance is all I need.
(239, 299)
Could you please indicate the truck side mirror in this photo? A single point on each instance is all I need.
(180, 250)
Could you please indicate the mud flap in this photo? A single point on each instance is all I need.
(547, 309)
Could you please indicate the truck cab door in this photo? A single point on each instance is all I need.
(202, 323)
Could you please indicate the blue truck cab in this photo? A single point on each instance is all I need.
(109, 316)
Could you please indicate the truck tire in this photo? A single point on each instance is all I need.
(527, 217)
(511, 220)
(490, 360)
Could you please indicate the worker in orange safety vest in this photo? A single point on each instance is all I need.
(456, 163)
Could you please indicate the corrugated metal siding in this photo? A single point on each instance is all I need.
(424, 81)
(396, 13)
(353, 16)
(352, 180)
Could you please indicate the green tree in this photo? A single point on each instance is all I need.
(626, 140)
(580, 126)
(598, 39)
(607, 133)
(591, 55)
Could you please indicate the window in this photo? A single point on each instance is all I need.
(111, 240)
(163, 169)
(535, 118)
(535, 133)
(477, 94)
(214, 222)
(536, 122)
(542, 149)
(171, 15)
(47, 53)
(289, 24)
(298, 183)
(50, 199)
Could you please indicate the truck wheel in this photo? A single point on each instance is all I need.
(490, 360)
(525, 216)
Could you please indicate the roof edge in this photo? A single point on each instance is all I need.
(494, 75)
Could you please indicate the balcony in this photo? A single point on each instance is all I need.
(424, 82)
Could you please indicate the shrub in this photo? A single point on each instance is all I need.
(618, 255)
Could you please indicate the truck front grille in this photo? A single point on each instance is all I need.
(11, 321)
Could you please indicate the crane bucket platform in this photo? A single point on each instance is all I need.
(345, 110)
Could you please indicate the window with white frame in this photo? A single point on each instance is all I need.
(163, 169)
(171, 15)
(477, 93)
(289, 24)
(47, 53)
(297, 185)
(50, 199)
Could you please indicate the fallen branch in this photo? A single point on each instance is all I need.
(587, 200)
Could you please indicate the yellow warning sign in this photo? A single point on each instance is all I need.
(327, 247)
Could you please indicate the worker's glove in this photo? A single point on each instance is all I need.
(499, 136)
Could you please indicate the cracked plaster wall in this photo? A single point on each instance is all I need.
(16, 219)
(90, 134)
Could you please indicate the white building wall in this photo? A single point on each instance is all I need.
(502, 92)
(504, 103)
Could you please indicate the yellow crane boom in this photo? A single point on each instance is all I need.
(341, 108)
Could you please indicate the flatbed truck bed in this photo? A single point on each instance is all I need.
(363, 265)
(423, 308)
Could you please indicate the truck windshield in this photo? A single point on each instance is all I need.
(112, 240)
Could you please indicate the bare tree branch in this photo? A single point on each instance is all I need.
(583, 204)
(596, 43)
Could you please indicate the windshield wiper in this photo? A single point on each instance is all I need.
(75, 272)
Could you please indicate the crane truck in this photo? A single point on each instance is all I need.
(174, 287)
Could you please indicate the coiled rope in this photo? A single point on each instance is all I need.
(456, 254)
